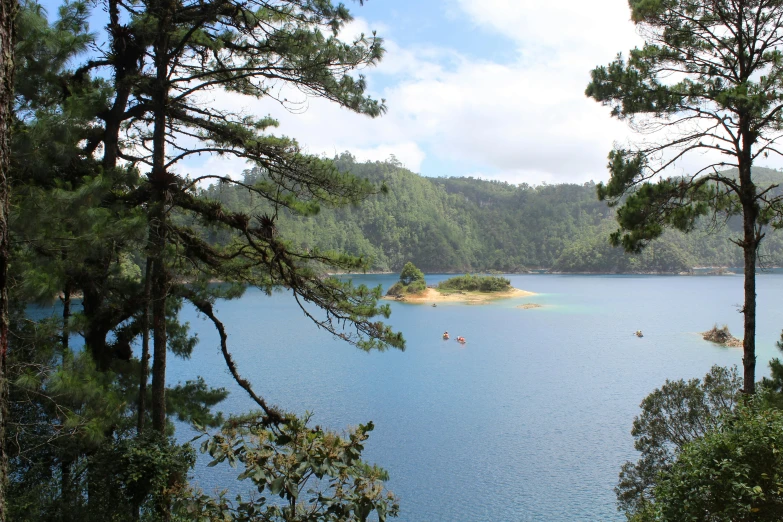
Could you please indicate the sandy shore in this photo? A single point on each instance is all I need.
(430, 295)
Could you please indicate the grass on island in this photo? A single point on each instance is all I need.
(474, 283)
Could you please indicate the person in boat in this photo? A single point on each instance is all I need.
(639, 333)
(445, 335)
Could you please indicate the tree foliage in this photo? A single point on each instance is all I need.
(100, 213)
(732, 473)
(318, 475)
(709, 80)
(673, 415)
(410, 274)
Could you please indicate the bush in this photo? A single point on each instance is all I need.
(417, 286)
(397, 289)
(733, 473)
(473, 283)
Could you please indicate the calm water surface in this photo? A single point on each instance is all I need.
(529, 420)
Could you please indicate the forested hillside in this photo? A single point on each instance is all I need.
(467, 224)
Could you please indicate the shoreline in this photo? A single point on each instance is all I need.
(695, 271)
(430, 295)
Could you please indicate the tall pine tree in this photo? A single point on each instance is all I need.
(709, 79)
(7, 14)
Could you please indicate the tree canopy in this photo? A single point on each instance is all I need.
(410, 274)
(101, 213)
(672, 416)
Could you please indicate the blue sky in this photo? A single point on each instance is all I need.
(435, 24)
(484, 88)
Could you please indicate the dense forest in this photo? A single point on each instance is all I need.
(103, 226)
(449, 224)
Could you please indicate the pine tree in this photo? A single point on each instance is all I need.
(7, 14)
(241, 47)
(708, 79)
(100, 211)
(74, 234)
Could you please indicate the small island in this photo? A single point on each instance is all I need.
(473, 289)
(721, 336)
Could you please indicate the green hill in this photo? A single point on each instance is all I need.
(469, 225)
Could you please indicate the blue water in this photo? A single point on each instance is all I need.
(530, 420)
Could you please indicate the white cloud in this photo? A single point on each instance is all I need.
(509, 118)
(407, 153)
(527, 120)
(206, 165)
(593, 29)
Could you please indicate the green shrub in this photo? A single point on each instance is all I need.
(417, 286)
(397, 289)
(733, 473)
(474, 283)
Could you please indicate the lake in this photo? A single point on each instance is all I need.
(530, 420)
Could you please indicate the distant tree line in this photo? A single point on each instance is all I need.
(448, 224)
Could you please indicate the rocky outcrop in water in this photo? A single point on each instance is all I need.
(721, 336)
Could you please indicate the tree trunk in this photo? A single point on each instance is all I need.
(7, 14)
(749, 310)
(750, 242)
(96, 330)
(145, 349)
(125, 67)
(97, 327)
(159, 181)
(66, 333)
(157, 218)
(749, 245)
(158, 294)
(66, 494)
(65, 464)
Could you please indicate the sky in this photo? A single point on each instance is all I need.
(484, 88)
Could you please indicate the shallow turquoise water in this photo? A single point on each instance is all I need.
(529, 420)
